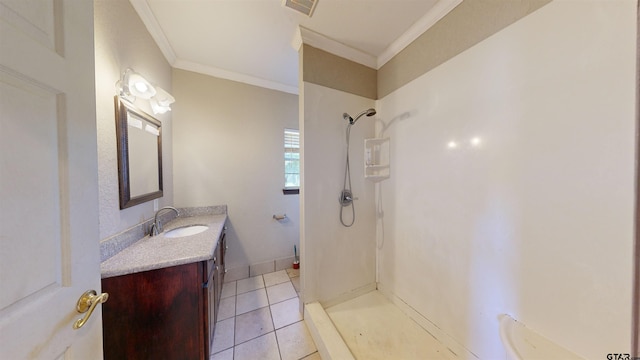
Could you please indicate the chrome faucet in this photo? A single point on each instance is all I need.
(156, 227)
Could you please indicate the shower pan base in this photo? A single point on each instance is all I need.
(371, 327)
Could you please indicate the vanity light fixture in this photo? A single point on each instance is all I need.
(161, 102)
(139, 86)
(133, 85)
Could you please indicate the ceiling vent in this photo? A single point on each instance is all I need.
(303, 6)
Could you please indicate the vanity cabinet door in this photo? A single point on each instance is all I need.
(157, 314)
(215, 268)
(223, 253)
(220, 254)
(211, 300)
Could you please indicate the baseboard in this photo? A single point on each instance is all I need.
(245, 271)
(348, 296)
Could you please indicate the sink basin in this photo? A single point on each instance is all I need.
(185, 231)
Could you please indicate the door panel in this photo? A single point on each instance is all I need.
(49, 242)
(30, 121)
(42, 20)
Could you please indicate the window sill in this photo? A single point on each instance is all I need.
(291, 191)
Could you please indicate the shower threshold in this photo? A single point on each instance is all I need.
(371, 327)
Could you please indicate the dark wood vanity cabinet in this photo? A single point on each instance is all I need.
(167, 313)
(213, 285)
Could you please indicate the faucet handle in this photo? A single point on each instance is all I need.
(153, 230)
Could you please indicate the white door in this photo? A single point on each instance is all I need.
(49, 240)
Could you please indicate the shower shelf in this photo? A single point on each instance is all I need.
(376, 159)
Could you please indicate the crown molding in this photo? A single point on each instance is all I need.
(301, 36)
(327, 44)
(296, 42)
(151, 23)
(234, 76)
(153, 27)
(317, 40)
(437, 12)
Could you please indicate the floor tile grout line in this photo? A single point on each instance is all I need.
(270, 315)
(235, 310)
(246, 341)
(274, 325)
(233, 347)
(262, 307)
(274, 330)
(258, 288)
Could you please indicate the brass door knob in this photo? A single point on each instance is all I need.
(88, 302)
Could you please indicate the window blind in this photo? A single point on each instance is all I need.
(291, 159)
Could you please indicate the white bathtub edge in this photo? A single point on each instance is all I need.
(522, 343)
(328, 341)
(506, 322)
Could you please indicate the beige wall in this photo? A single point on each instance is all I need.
(537, 220)
(228, 149)
(122, 41)
(325, 69)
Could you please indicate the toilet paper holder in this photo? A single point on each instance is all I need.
(280, 217)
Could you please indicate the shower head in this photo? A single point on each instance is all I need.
(368, 112)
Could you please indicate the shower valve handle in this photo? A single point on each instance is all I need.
(346, 197)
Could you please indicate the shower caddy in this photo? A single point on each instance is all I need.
(376, 159)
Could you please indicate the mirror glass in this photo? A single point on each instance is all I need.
(139, 155)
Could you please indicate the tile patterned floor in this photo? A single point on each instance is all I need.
(259, 318)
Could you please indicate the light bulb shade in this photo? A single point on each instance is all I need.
(163, 98)
(138, 85)
(133, 85)
(161, 102)
(157, 107)
(123, 91)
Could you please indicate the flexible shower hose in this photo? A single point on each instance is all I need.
(346, 197)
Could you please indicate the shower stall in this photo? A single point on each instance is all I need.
(346, 313)
(343, 308)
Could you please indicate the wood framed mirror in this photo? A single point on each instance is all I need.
(139, 137)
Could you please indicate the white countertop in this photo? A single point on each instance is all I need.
(157, 252)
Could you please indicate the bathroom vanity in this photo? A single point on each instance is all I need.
(164, 292)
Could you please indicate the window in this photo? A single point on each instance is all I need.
(291, 161)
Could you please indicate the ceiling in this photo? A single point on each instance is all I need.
(256, 41)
